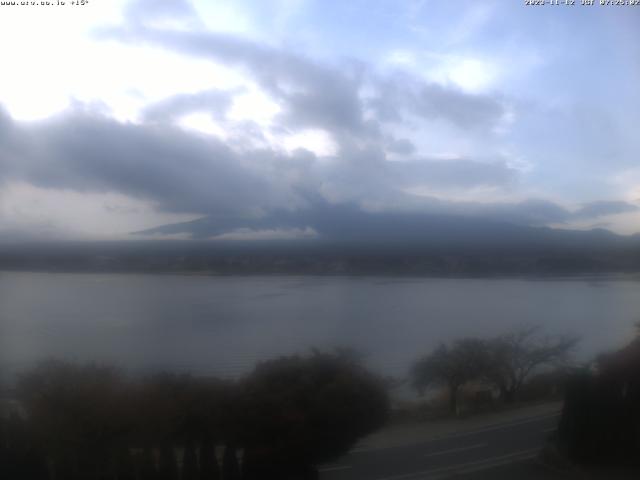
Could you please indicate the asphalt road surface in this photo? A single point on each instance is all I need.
(468, 454)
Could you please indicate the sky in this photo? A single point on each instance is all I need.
(266, 118)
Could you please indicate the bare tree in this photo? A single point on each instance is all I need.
(451, 366)
(514, 356)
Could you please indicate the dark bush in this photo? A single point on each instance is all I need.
(89, 422)
(600, 422)
(303, 411)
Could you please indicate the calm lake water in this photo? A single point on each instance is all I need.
(223, 325)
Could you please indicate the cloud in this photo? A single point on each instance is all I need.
(213, 102)
(315, 95)
(458, 173)
(256, 188)
(311, 95)
(28, 212)
(161, 12)
(527, 212)
(189, 173)
(400, 93)
(604, 208)
(246, 234)
(464, 110)
(401, 146)
(435, 219)
(333, 146)
(180, 172)
(259, 192)
(351, 224)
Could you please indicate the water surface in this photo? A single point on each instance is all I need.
(223, 325)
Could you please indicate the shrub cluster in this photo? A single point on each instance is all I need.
(600, 422)
(90, 422)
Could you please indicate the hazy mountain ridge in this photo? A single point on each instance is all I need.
(437, 245)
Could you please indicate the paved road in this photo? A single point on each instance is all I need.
(462, 453)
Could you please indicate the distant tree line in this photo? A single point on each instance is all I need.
(283, 419)
(503, 363)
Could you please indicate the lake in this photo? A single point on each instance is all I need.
(222, 325)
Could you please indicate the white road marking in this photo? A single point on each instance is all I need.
(334, 468)
(455, 450)
(493, 462)
(437, 473)
(487, 428)
(499, 426)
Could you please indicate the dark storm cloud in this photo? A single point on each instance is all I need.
(257, 189)
(527, 212)
(192, 173)
(437, 223)
(602, 208)
(90, 153)
(543, 212)
(332, 222)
